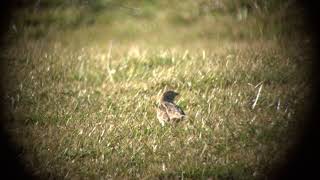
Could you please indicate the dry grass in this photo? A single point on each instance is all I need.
(85, 110)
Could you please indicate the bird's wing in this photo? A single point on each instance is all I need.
(162, 114)
(173, 110)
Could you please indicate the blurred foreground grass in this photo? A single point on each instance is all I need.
(83, 78)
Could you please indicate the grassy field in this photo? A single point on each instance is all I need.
(83, 80)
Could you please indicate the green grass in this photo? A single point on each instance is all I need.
(83, 96)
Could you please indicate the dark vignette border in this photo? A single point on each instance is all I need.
(303, 158)
(301, 162)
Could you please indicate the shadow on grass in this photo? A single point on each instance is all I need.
(221, 172)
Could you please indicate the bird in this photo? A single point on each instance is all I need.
(168, 111)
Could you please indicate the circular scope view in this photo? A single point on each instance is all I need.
(155, 89)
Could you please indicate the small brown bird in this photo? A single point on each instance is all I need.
(168, 111)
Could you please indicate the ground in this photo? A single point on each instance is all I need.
(83, 81)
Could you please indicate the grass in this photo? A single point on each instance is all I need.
(82, 97)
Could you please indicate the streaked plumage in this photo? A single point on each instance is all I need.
(167, 110)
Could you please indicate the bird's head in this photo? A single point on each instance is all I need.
(169, 96)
